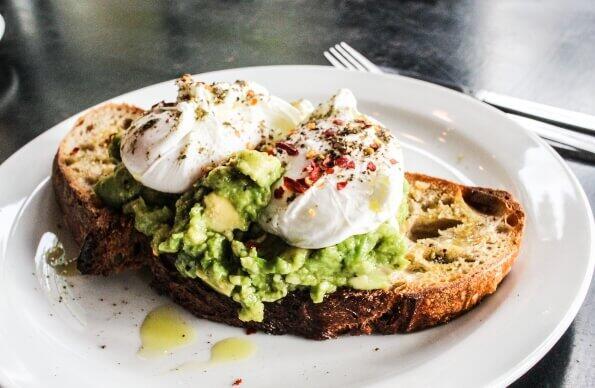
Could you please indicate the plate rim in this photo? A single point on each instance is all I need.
(571, 311)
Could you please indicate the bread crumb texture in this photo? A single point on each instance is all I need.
(84, 151)
(455, 230)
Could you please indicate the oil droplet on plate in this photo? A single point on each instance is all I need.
(55, 254)
(227, 350)
(56, 258)
(164, 329)
(232, 349)
(69, 269)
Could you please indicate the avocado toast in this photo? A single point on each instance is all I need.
(461, 243)
(109, 243)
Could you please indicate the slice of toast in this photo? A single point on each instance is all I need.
(110, 244)
(463, 241)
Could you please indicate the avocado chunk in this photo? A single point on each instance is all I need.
(262, 168)
(118, 188)
(221, 285)
(221, 216)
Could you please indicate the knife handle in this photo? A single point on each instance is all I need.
(549, 114)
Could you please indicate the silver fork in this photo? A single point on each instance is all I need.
(343, 56)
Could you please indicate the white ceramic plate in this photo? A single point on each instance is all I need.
(2, 25)
(52, 329)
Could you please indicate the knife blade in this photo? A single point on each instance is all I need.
(550, 114)
(563, 118)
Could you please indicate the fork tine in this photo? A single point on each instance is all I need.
(340, 58)
(361, 59)
(350, 58)
(333, 61)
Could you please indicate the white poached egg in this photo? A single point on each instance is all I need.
(173, 144)
(343, 177)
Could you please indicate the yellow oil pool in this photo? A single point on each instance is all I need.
(232, 349)
(227, 350)
(56, 258)
(163, 330)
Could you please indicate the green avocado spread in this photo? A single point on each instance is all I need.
(212, 232)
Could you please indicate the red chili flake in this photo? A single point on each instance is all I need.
(329, 170)
(375, 146)
(250, 330)
(302, 181)
(338, 122)
(393, 161)
(237, 382)
(297, 186)
(278, 193)
(341, 185)
(251, 244)
(341, 161)
(371, 166)
(315, 173)
(329, 133)
(289, 148)
(344, 162)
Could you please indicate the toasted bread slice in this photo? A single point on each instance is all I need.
(110, 244)
(462, 242)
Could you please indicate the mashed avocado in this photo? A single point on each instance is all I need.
(212, 231)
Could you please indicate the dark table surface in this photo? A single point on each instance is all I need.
(59, 57)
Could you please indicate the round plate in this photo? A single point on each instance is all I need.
(2, 26)
(64, 331)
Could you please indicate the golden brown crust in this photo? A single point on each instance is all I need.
(110, 242)
(429, 306)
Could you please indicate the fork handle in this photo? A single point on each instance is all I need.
(432, 80)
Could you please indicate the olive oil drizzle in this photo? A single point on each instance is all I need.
(163, 330)
(232, 349)
(56, 258)
(227, 350)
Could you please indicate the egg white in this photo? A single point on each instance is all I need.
(170, 146)
(325, 215)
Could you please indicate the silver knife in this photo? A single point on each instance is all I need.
(563, 129)
(549, 114)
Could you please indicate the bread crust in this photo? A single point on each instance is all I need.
(109, 242)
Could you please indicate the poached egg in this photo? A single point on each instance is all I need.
(172, 145)
(343, 177)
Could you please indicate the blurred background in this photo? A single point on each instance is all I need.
(58, 57)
